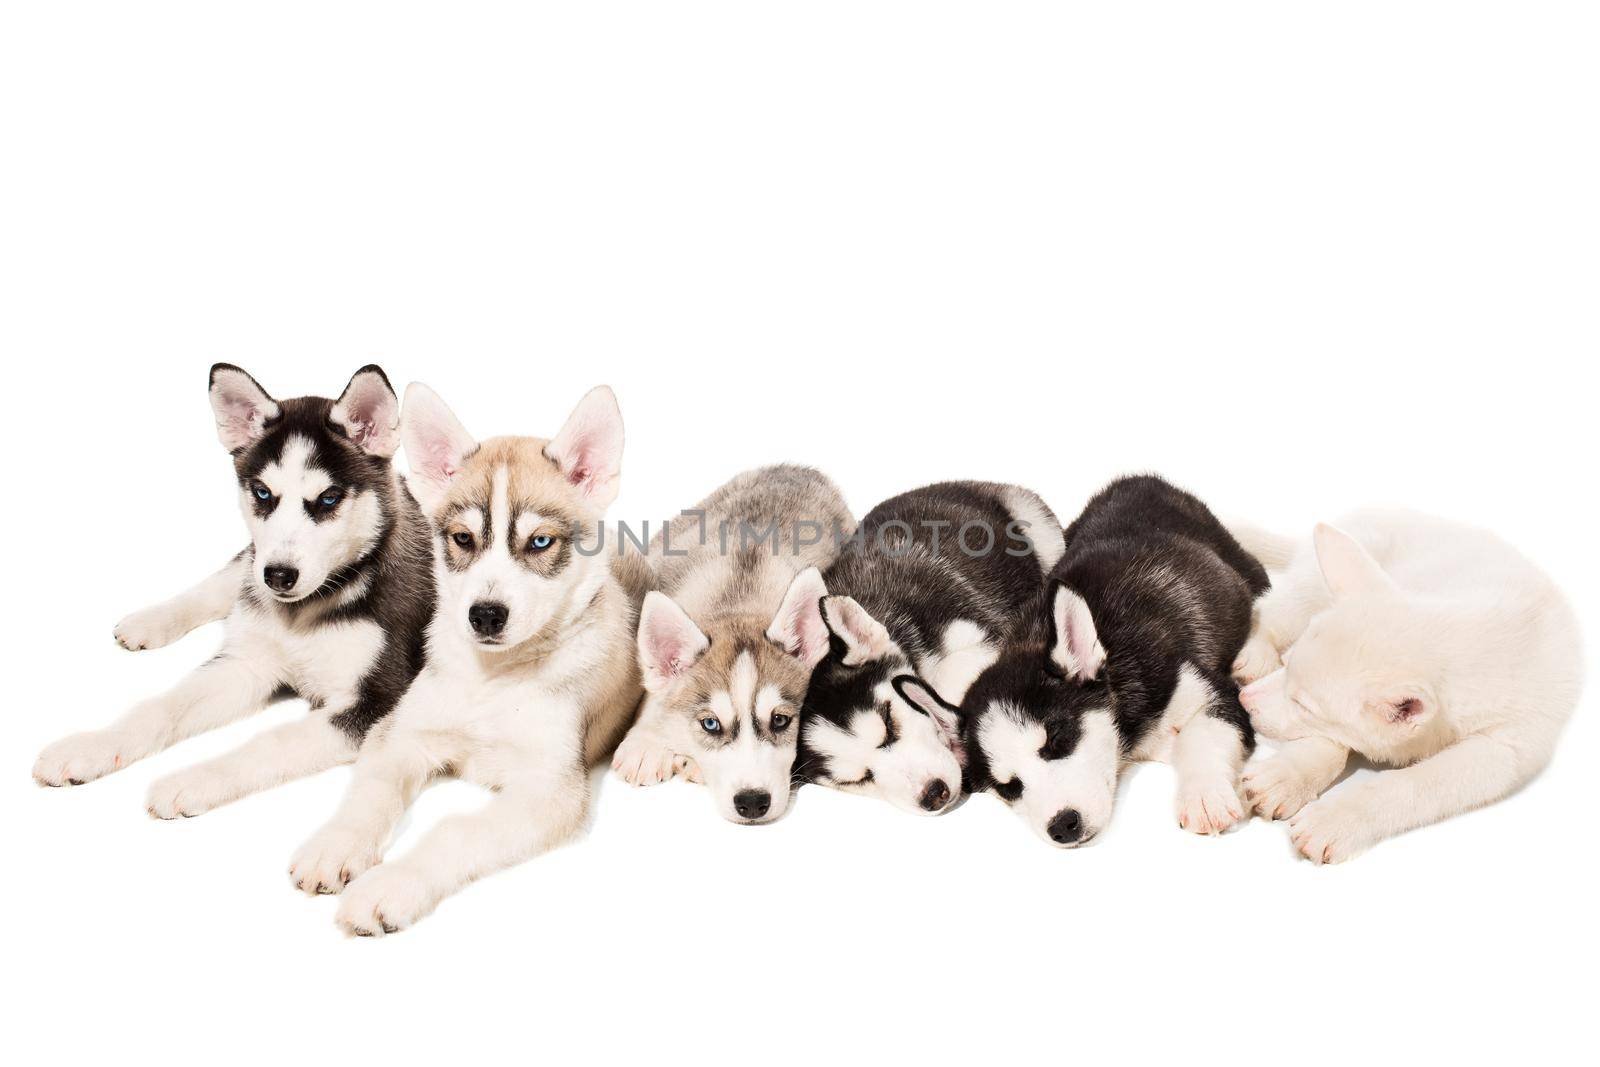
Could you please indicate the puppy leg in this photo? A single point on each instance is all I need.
(1207, 755)
(1469, 774)
(1279, 785)
(529, 816)
(227, 688)
(1281, 616)
(646, 755)
(164, 623)
(389, 773)
(291, 751)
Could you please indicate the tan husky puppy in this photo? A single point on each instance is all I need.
(529, 676)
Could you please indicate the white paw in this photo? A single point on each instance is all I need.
(1210, 806)
(332, 860)
(688, 770)
(1331, 830)
(187, 794)
(150, 628)
(1256, 660)
(80, 758)
(642, 760)
(1275, 788)
(384, 901)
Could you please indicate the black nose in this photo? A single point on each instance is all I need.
(936, 796)
(752, 803)
(280, 579)
(1066, 827)
(488, 617)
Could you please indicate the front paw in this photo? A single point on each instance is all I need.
(1275, 787)
(80, 758)
(383, 901)
(1256, 660)
(642, 760)
(332, 860)
(150, 628)
(187, 794)
(1332, 830)
(1210, 806)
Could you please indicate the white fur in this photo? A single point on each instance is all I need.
(1077, 650)
(209, 601)
(798, 626)
(1418, 643)
(1085, 781)
(289, 537)
(923, 752)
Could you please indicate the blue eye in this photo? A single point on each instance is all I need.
(331, 497)
(710, 725)
(261, 491)
(540, 543)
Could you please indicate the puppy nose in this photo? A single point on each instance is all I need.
(488, 617)
(1066, 827)
(280, 579)
(752, 803)
(936, 796)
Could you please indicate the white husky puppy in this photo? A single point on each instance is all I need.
(1417, 643)
(529, 676)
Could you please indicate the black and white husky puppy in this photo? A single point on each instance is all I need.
(927, 588)
(327, 603)
(1125, 655)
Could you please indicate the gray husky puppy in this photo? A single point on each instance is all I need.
(728, 641)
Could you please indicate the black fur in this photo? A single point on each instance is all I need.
(906, 565)
(394, 578)
(1167, 585)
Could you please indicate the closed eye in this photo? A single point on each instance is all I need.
(890, 733)
(1009, 791)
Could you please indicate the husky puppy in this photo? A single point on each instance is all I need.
(1124, 655)
(926, 588)
(1414, 642)
(528, 678)
(327, 603)
(727, 643)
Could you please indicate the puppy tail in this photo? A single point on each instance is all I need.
(1273, 550)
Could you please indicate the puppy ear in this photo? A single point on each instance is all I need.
(669, 641)
(1346, 566)
(920, 695)
(242, 408)
(589, 447)
(1075, 647)
(368, 412)
(1407, 709)
(798, 627)
(436, 443)
(864, 637)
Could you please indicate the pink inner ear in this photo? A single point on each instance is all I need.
(1406, 710)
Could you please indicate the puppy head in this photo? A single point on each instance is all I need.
(315, 482)
(516, 518)
(873, 727)
(1365, 671)
(1045, 744)
(732, 692)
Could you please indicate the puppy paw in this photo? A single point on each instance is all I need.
(332, 860)
(688, 770)
(1276, 788)
(80, 758)
(150, 628)
(187, 794)
(1256, 660)
(1331, 830)
(1210, 806)
(383, 901)
(641, 760)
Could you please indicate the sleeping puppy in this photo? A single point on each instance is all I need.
(1417, 643)
(925, 590)
(1123, 656)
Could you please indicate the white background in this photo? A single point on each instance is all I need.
(1297, 260)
